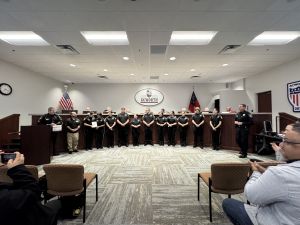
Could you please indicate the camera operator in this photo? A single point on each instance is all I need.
(20, 202)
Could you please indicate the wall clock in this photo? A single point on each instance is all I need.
(5, 89)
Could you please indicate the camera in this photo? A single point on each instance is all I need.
(5, 157)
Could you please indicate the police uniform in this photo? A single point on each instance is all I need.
(48, 119)
(122, 131)
(135, 131)
(183, 130)
(172, 130)
(100, 131)
(89, 131)
(148, 118)
(72, 136)
(198, 131)
(215, 120)
(242, 131)
(110, 134)
(160, 129)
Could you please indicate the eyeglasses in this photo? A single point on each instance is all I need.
(286, 141)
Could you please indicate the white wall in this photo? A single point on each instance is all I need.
(275, 81)
(32, 93)
(233, 98)
(176, 96)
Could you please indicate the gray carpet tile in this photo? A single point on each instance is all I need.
(150, 185)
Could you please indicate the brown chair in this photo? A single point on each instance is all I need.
(225, 178)
(6, 179)
(69, 180)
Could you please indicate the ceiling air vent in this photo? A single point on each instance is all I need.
(67, 49)
(103, 77)
(229, 49)
(158, 49)
(154, 77)
(195, 77)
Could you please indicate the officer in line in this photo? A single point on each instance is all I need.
(99, 130)
(135, 129)
(73, 126)
(198, 121)
(215, 124)
(123, 120)
(161, 121)
(183, 123)
(110, 122)
(148, 120)
(243, 120)
(52, 119)
(171, 122)
(90, 123)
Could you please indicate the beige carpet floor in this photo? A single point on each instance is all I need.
(150, 185)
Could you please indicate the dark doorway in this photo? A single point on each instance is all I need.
(264, 101)
(217, 104)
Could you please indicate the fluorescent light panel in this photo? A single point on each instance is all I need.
(106, 37)
(275, 38)
(192, 37)
(22, 38)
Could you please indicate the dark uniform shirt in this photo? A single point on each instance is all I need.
(161, 119)
(183, 119)
(100, 121)
(48, 119)
(172, 119)
(73, 124)
(198, 118)
(110, 120)
(122, 117)
(148, 118)
(89, 120)
(215, 119)
(135, 122)
(244, 117)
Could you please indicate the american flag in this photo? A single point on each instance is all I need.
(65, 102)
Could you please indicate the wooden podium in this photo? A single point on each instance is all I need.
(36, 144)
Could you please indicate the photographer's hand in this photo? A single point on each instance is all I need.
(257, 167)
(19, 160)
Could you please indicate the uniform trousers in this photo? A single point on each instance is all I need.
(72, 139)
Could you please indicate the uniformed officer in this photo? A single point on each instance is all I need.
(215, 124)
(243, 120)
(123, 120)
(148, 120)
(171, 122)
(110, 122)
(161, 121)
(90, 124)
(135, 129)
(198, 121)
(183, 123)
(73, 126)
(52, 119)
(99, 130)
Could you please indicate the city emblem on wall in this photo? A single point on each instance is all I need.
(293, 94)
(149, 97)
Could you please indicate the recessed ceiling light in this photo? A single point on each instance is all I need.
(72, 65)
(132, 74)
(105, 70)
(192, 70)
(275, 38)
(126, 58)
(25, 38)
(192, 37)
(166, 74)
(172, 58)
(106, 37)
(225, 64)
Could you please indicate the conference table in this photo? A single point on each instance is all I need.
(227, 131)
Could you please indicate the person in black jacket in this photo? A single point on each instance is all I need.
(20, 202)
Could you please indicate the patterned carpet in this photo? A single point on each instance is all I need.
(150, 185)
